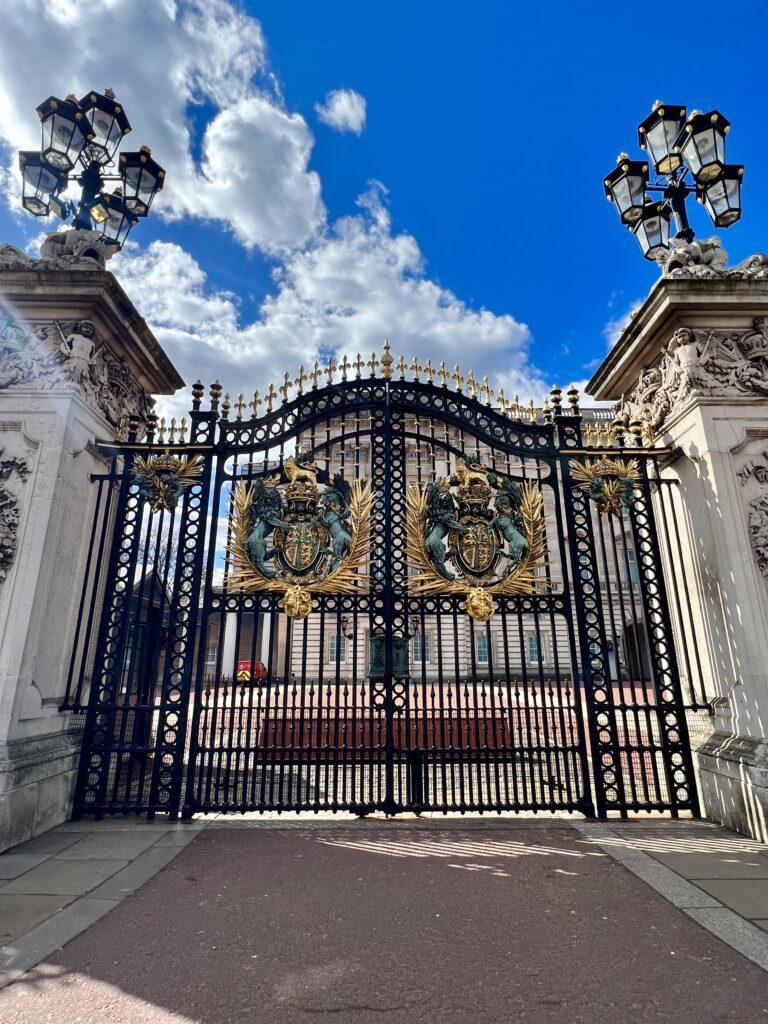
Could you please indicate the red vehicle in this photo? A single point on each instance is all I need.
(251, 672)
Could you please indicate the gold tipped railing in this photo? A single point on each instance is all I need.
(595, 434)
(385, 367)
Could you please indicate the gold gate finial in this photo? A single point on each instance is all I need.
(386, 362)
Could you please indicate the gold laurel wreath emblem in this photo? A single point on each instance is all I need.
(612, 471)
(523, 579)
(185, 469)
(297, 601)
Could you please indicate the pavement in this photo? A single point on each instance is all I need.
(438, 920)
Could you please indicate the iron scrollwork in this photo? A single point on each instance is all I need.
(488, 539)
(319, 537)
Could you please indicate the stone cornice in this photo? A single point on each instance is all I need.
(672, 303)
(98, 295)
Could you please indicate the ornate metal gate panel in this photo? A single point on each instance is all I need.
(381, 595)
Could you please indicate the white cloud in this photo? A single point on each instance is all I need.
(344, 110)
(356, 285)
(195, 77)
(167, 61)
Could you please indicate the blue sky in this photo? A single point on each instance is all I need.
(489, 126)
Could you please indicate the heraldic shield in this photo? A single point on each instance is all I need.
(477, 534)
(300, 537)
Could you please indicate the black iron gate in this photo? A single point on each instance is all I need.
(384, 594)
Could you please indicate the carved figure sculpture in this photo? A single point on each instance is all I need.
(470, 472)
(509, 520)
(300, 468)
(699, 362)
(441, 516)
(78, 350)
(265, 517)
(9, 511)
(334, 512)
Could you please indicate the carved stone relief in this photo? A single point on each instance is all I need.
(705, 259)
(72, 249)
(754, 478)
(698, 362)
(63, 353)
(9, 509)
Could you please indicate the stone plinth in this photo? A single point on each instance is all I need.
(693, 366)
(75, 360)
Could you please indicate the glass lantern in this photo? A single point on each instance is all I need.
(702, 145)
(658, 135)
(652, 229)
(112, 219)
(65, 132)
(722, 198)
(625, 188)
(40, 181)
(142, 179)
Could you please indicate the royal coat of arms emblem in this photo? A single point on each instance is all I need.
(299, 537)
(162, 479)
(609, 482)
(478, 534)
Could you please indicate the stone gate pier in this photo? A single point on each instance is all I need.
(692, 365)
(76, 360)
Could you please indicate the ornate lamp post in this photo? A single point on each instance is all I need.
(677, 148)
(80, 139)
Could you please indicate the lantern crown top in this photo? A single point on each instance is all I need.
(106, 101)
(637, 169)
(661, 112)
(68, 108)
(699, 121)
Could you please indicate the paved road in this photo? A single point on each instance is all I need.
(289, 926)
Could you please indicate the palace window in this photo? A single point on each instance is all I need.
(337, 649)
(481, 648)
(420, 647)
(212, 649)
(632, 564)
(534, 654)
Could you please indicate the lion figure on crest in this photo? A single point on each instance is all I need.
(300, 468)
(470, 472)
